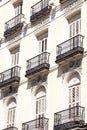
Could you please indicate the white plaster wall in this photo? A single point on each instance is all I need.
(57, 89)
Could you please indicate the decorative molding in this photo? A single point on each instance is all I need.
(5, 99)
(74, 7)
(10, 91)
(39, 80)
(71, 65)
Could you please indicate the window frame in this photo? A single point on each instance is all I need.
(75, 25)
(15, 56)
(11, 116)
(41, 106)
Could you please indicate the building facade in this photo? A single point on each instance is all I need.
(43, 65)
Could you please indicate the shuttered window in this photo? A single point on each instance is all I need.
(11, 117)
(15, 57)
(74, 95)
(74, 90)
(75, 26)
(40, 106)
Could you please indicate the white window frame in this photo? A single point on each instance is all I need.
(74, 95)
(74, 91)
(15, 57)
(40, 106)
(43, 45)
(11, 113)
(75, 26)
(11, 117)
(18, 9)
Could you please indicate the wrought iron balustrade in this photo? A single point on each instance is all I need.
(11, 128)
(39, 6)
(13, 22)
(70, 44)
(40, 9)
(37, 64)
(38, 60)
(10, 75)
(39, 123)
(69, 48)
(69, 118)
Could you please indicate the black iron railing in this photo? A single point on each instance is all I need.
(40, 123)
(38, 60)
(13, 22)
(10, 73)
(74, 114)
(11, 128)
(70, 44)
(39, 6)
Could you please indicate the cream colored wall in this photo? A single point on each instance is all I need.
(56, 87)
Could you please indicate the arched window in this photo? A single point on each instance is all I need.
(74, 90)
(40, 102)
(11, 111)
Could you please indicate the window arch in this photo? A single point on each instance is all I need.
(11, 112)
(40, 102)
(74, 90)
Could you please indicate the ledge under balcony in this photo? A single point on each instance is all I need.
(69, 118)
(37, 64)
(70, 49)
(11, 128)
(40, 123)
(14, 25)
(39, 10)
(10, 76)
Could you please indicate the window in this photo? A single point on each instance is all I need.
(18, 9)
(75, 25)
(74, 95)
(40, 106)
(43, 43)
(41, 103)
(11, 117)
(11, 112)
(15, 56)
(74, 91)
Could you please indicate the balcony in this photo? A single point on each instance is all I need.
(70, 49)
(39, 10)
(10, 76)
(14, 25)
(69, 118)
(11, 128)
(37, 124)
(38, 64)
(66, 3)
